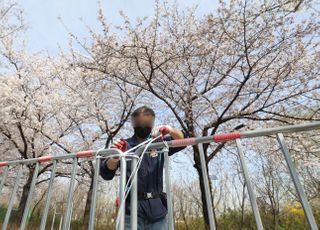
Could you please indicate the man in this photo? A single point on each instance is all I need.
(152, 209)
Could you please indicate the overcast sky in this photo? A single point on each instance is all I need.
(46, 31)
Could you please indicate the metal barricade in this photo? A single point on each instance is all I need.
(236, 135)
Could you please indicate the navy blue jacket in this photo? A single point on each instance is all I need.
(150, 179)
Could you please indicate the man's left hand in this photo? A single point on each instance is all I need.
(161, 130)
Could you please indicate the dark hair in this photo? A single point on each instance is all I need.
(145, 110)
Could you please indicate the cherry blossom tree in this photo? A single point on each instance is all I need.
(53, 106)
(249, 62)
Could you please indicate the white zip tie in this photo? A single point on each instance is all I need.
(133, 174)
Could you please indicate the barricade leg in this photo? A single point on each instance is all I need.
(206, 187)
(296, 182)
(29, 199)
(12, 197)
(134, 197)
(168, 190)
(94, 193)
(68, 211)
(252, 196)
(48, 197)
(123, 180)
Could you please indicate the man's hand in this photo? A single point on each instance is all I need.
(120, 144)
(167, 129)
(161, 130)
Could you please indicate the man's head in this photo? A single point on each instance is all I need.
(143, 121)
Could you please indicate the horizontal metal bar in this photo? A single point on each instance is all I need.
(220, 137)
(102, 153)
(281, 129)
(236, 135)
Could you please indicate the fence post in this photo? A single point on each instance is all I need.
(12, 197)
(94, 193)
(252, 196)
(123, 179)
(134, 196)
(168, 189)
(297, 184)
(68, 211)
(48, 197)
(54, 217)
(206, 187)
(29, 199)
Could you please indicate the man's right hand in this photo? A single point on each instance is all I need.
(120, 144)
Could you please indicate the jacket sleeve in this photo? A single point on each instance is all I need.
(106, 173)
(173, 150)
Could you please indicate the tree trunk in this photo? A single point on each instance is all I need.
(86, 214)
(202, 189)
(23, 201)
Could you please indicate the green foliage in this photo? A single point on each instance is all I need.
(290, 217)
(2, 213)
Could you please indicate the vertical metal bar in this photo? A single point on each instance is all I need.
(206, 187)
(168, 190)
(12, 197)
(4, 178)
(54, 217)
(94, 193)
(48, 197)
(29, 199)
(123, 180)
(252, 196)
(61, 220)
(134, 198)
(70, 217)
(68, 211)
(297, 184)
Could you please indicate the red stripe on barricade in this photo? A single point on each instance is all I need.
(184, 142)
(44, 158)
(3, 163)
(85, 153)
(226, 136)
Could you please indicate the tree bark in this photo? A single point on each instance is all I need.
(23, 201)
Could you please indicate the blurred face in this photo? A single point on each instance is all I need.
(142, 125)
(143, 121)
